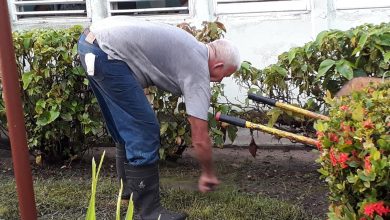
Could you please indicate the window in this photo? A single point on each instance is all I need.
(361, 4)
(49, 9)
(147, 7)
(255, 6)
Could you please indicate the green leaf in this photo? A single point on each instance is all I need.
(362, 176)
(324, 67)
(291, 55)
(359, 72)
(280, 70)
(344, 67)
(232, 132)
(352, 178)
(274, 113)
(384, 39)
(47, 117)
(26, 79)
(362, 42)
(323, 172)
(321, 126)
(163, 128)
(386, 57)
(358, 113)
(245, 65)
(375, 154)
(26, 43)
(130, 209)
(321, 36)
(181, 131)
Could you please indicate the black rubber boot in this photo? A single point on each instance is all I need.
(144, 183)
(120, 170)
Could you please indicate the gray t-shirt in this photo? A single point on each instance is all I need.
(161, 55)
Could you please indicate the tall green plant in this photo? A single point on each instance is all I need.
(91, 212)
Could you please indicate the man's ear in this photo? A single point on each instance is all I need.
(218, 65)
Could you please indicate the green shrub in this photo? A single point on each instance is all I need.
(61, 113)
(303, 74)
(355, 160)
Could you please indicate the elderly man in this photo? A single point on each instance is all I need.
(122, 56)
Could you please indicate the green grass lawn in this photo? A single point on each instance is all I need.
(67, 198)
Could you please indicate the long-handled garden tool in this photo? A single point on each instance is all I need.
(284, 134)
(286, 106)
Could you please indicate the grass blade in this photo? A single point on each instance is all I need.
(130, 209)
(118, 204)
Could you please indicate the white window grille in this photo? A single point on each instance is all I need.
(27, 9)
(361, 4)
(147, 7)
(257, 6)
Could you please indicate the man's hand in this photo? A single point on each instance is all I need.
(202, 145)
(207, 182)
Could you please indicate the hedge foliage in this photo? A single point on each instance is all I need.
(355, 154)
(303, 74)
(61, 113)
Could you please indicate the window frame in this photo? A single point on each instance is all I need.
(243, 7)
(190, 7)
(360, 4)
(34, 20)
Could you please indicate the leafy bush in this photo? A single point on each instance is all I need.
(303, 74)
(61, 113)
(355, 160)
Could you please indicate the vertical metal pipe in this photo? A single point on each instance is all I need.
(16, 126)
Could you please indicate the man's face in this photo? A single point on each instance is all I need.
(219, 72)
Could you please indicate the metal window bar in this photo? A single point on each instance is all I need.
(50, 8)
(258, 6)
(361, 4)
(114, 9)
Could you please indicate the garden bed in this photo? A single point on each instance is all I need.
(278, 184)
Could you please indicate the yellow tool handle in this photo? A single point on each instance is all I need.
(247, 124)
(286, 106)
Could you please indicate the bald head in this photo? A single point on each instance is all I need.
(225, 51)
(224, 59)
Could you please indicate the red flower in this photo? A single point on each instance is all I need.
(345, 128)
(343, 158)
(333, 137)
(367, 164)
(319, 145)
(368, 124)
(388, 124)
(332, 156)
(378, 207)
(344, 108)
(348, 142)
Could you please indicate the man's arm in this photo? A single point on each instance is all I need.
(202, 144)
